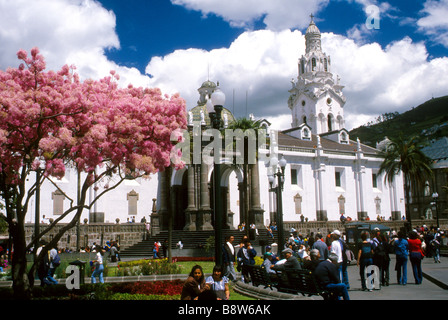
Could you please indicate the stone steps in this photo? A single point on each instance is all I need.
(191, 240)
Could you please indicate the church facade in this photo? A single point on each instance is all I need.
(327, 174)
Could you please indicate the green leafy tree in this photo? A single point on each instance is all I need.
(401, 155)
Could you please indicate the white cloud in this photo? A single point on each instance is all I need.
(277, 15)
(66, 31)
(376, 79)
(434, 23)
(258, 64)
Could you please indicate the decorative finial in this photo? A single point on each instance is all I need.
(311, 16)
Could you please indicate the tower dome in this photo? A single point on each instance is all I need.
(312, 28)
(312, 37)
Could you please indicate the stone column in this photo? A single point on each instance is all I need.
(205, 212)
(191, 211)
(256, 212)
(229, 214)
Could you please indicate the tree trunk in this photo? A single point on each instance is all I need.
(21, 282)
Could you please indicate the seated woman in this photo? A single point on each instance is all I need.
(219, 284)
(195, 284)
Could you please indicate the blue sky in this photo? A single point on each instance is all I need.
(157, 28)
(251, 47)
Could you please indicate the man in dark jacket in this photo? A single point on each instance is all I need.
(328, 276)
(245, 257)
(228, 258)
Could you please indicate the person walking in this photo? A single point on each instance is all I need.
(435, 244)
(228, 258)
(385, 276)
(401, 247)
(245, 258)
(99, 267)
(54, 263)
(365, 257)
(416, 256)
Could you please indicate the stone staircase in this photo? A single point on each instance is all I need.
(193, 241)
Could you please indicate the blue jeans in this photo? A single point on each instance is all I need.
(344, 273)
(50, 276)
(436, 254)
(402, 269)
(363, 264)
(98, 272)
(230, 271)
(416, 263)
(340, 289)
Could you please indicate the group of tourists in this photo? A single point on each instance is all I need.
(327, 257)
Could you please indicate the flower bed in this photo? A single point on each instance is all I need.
(171, 288)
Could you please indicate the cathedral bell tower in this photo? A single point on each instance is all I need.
(315, 98)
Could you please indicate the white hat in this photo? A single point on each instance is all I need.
(336, 232)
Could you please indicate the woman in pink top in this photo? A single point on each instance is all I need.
(416, 255)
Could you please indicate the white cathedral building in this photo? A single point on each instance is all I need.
(326, 175)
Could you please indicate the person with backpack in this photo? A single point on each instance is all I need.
(379, 252)
(55, 261)
(386, 261)
(401, 252)
(43, 265)
(365, 257)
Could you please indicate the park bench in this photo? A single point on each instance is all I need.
(303, 282)
(259, 276)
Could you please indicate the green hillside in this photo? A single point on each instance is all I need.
(430, 120)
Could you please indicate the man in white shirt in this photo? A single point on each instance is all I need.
(336, 248)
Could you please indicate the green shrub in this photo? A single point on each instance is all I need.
(147, 267)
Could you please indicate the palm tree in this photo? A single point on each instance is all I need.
(406, 156)
(250, 127)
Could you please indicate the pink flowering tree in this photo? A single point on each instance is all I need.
(50, 121)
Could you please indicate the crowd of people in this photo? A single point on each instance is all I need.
(327, 257)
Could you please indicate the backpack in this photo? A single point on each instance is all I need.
(347, 254)
(366, 250)
(379, 250)
(56, 260)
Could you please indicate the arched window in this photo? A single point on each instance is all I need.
(302, 66)
(313, 64)
(325, 65)
(330, 123)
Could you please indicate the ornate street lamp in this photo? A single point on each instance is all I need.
(217, 102)
(435, 198)
(277, 169)
(39, 172)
